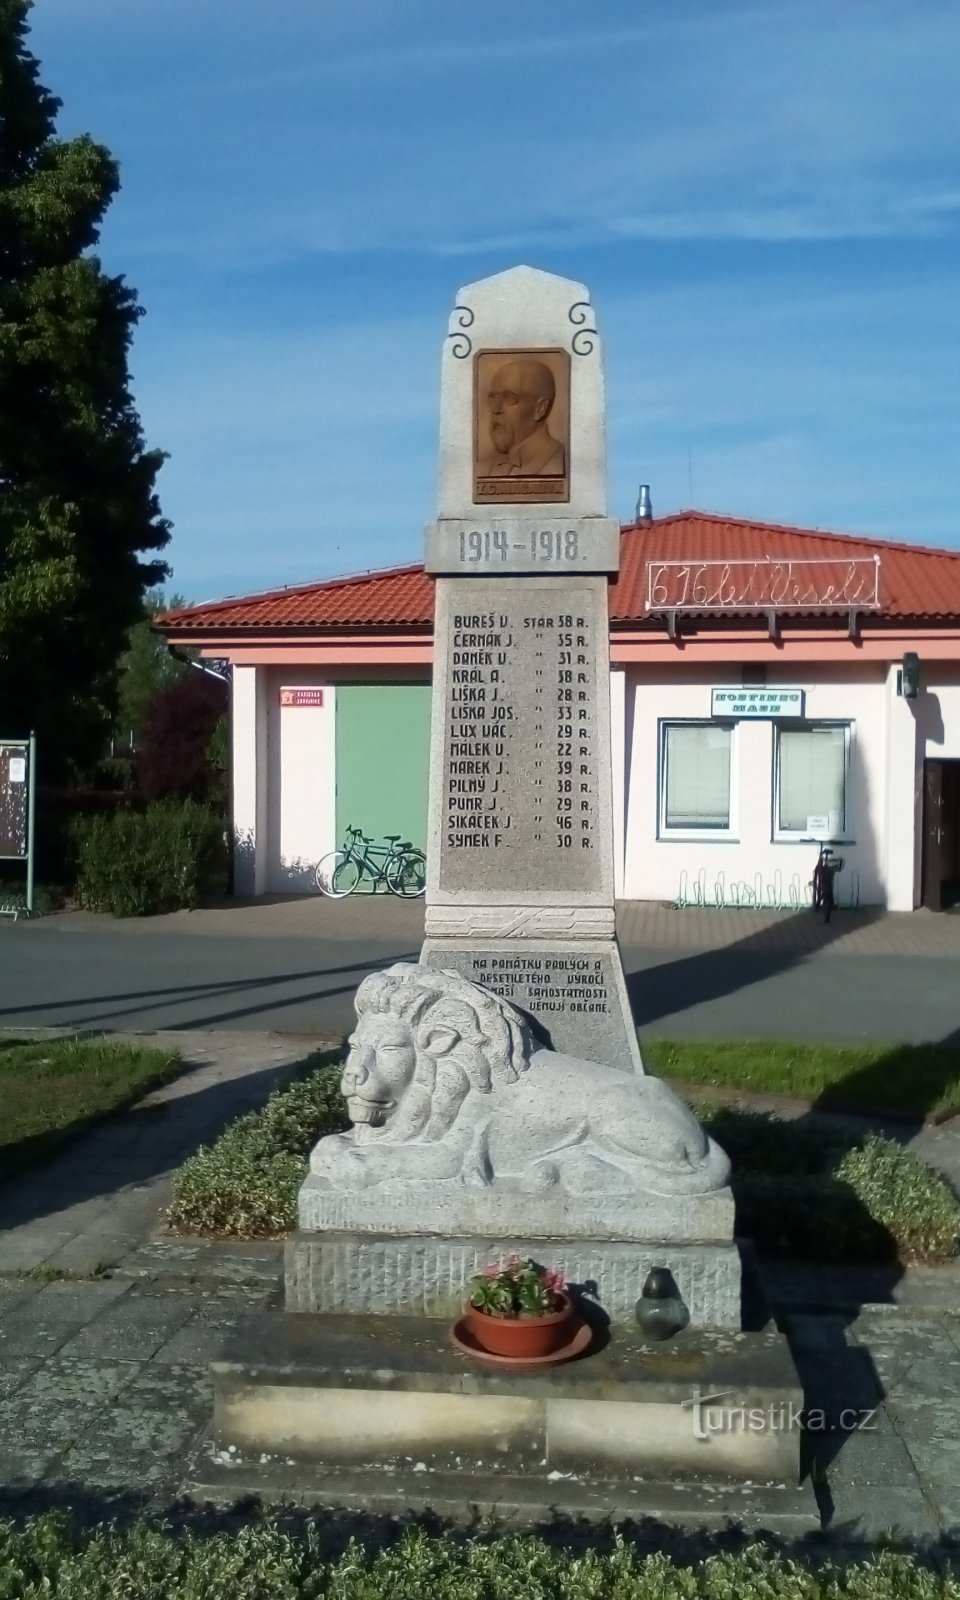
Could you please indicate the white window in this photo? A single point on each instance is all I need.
(695, 778)
(812, 782)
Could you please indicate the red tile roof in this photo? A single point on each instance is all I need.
(915, 583)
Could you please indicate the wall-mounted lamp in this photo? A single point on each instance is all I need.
(909, 676)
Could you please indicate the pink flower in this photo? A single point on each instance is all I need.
(491, 1270)
(513, 1260)
(555, 1280)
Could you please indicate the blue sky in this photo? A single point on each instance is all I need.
(763, 195)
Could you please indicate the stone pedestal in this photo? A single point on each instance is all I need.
(347, 1410)
(426, 1275)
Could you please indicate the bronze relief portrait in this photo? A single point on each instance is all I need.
(521, 426)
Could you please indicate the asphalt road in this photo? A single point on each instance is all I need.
(102, 975)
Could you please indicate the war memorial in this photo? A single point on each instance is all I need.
(496, 1091)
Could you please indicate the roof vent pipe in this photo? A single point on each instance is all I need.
(644, 507)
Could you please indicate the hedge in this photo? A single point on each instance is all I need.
(800, 1190)
(45, 1559)
(164, 858)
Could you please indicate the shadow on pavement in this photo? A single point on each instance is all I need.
(129, 1148)
(331, 1531)
(690, 980)
(105, 1010)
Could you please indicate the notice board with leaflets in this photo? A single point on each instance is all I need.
(17, 806)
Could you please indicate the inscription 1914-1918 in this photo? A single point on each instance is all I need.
(520, 789)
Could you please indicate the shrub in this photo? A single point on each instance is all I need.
(246, 1183)
(174, 744)
(45, 1557)
(800, 1189)
(162, 859)
(804, 1189)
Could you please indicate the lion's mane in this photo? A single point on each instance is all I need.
(494, 1044)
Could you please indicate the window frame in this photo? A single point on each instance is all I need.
(666, 834)
(844, 835)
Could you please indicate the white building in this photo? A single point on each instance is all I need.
(771, 688)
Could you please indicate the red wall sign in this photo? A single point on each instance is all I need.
(301, 697)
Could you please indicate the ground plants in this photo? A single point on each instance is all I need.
(164, 858)
(809, 1189)
(52, 1089)
(46, 1558)
(245, 1184)
(803, 1188)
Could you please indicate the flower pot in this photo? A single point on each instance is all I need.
(523, 1338)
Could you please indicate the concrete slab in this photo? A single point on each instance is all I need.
(384, 1390)
(513, 1502)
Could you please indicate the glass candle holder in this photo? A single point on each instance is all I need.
(660, 1311)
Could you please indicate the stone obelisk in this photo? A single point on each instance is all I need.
(520, 893)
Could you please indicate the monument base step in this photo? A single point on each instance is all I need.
(514, 1503)
(367, 1274)
(377, 1395)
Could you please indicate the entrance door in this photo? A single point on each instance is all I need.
(941, 835)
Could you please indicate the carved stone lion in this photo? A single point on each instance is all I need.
(445, 1081)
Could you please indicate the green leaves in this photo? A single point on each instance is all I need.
(246, 1184)
(804, 1189)
(78, 509)
(45, 1556)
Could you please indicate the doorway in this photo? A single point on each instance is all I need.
(940, 887)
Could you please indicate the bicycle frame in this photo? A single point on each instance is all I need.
(363, 851)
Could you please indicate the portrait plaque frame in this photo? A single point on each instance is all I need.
(534, 468)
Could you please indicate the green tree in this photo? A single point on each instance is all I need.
(146, 665)
(78, 510)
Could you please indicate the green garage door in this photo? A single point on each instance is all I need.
(383, 751)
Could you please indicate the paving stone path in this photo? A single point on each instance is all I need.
(104, 1387)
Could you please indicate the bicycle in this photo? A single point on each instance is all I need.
(824, 873)
(398, 865)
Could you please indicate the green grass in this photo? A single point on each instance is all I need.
(51, 1089)
(45, 1558)
(909, 1080)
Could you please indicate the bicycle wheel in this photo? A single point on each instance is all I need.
(337, 875)
(406, 875)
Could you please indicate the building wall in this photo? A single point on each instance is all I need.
(302, 778)
(938, 711)
(301, 774)
(751, 865)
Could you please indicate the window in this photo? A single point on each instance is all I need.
(695, 778)
(813, 775)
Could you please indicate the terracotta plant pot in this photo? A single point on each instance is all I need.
(523, 1338)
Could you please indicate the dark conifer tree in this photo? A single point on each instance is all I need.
(79, 517)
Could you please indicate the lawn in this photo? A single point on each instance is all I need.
(50, 1089)
(907, 1080)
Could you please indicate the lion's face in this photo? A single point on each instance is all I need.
(379, 1068)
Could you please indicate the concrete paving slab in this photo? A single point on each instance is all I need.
(15, 1371)
(73, 1302)
(136, 1335)
(26, 1337)
(869, 1513)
